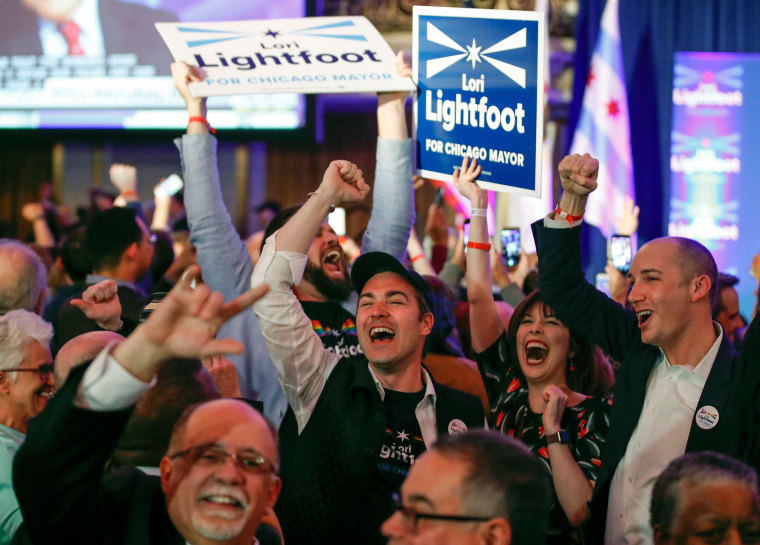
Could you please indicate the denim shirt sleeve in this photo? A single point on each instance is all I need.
(392, 214)
(227, 268)
(222, 256)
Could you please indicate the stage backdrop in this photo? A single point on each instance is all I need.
(714, 160)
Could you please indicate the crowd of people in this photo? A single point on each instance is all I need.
(165, 381)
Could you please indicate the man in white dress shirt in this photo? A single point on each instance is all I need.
(678, 371)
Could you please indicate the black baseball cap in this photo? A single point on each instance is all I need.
(372, 263)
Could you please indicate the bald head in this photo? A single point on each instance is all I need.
(208, 497)
(692, 259)
(214, 418)
(22, 278)
(79, 350)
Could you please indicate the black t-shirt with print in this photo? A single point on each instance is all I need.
(402, 445)
(335, 326)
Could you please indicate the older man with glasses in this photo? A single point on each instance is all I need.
(26, 385)
(471, 488)
(218, 477)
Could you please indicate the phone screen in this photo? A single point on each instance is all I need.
(171, 185)
(466, 229)
(438, 201)
(621, 252)
(603, 283)
(337, 220)
(510, 245)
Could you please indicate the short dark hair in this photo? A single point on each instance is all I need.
(163, 254)
(690, 469)
(695, 260)
(443, 302)
(278, 221)
(109, 233)
(584, 374)
(504, 479)
(74, 255)
(725, 280)
(269, 204)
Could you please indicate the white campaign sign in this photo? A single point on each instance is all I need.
(306, 55)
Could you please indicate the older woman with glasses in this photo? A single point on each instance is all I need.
(26, 385)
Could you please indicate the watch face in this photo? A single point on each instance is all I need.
(560, 437)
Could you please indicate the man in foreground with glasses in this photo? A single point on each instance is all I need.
(26, 385)
(218, 478)
(476, 487)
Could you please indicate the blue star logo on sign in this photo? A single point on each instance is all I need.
(475, 54)
(205, 36)
(480, 90)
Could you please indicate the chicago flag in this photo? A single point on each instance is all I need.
(603, 126)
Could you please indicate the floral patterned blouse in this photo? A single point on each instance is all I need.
(586, 424)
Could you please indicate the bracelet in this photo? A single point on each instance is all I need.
(565, 216)
(479, 245)
(201, 119)
(314, 194)
(415, 258)
(479, 212)
(129, 193)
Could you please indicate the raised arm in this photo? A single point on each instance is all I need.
(580, 305)
(58, 469)
(221, 254)
(485, 325)
(392, 213)
(302, 362)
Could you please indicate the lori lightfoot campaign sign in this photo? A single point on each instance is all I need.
(304, 55)
(480, 95)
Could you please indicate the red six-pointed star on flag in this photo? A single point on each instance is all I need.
(612, 108)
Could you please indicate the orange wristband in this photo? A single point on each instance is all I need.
(200, 119)
(565, 216)
(415, 258)
(479, 245)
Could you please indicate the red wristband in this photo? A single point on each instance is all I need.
(565, 216)
(129, 193)
(418, 256)
(200, 119)
(479, 245)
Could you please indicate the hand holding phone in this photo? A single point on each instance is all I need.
(169, 186)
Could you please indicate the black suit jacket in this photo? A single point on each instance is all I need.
(126, 27)
(57, 478)
(64, 498)
(605, 323)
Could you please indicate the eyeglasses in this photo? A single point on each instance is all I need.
(43, 370)
(213, 455)
(411, 517)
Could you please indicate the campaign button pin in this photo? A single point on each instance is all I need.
(707, 417)
(457, 426)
